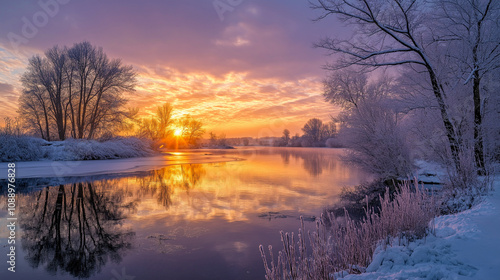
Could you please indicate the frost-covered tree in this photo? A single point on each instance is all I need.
(389, 33)
(44, 79)
(471, 30)
(371, 124)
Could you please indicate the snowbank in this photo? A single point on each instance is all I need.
(13, 148)
(62, 171)
(465, 245)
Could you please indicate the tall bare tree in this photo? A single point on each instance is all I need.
(96, 83)
(472, 29)
(390, 33)
(44, 75)
(79, 87)
(34, 111)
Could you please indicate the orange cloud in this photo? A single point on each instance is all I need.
(234, 103)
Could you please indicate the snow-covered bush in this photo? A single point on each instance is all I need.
(371, 123)
(23, 148)
(20, 148)
(342, 244)
(376, 140)
(112, 149)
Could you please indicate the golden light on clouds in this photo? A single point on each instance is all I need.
(235, 103)
(253, 73)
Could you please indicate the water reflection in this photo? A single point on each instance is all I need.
(75, 228)
(211, 217)
(162, 183)
(313, 163)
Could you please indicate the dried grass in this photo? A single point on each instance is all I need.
(343, 244)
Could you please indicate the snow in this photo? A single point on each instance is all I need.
(430, 172)
(49, 169)
(465, 245)
(24, 148)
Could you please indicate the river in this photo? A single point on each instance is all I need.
(189, 221)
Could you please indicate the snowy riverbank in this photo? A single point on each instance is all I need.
(465, 245)
(23, 148)
(59, 169)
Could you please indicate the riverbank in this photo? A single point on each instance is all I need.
(25, 148)
(462, 246)
(49, 169)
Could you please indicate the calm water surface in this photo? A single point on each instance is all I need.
(191, 221)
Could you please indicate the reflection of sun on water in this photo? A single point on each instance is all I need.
(238, 191)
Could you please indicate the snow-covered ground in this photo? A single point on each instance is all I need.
(465, 246)
(25, 148)
(49, 169)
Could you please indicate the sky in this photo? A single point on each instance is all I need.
(244, 67)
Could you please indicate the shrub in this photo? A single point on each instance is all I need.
(111, 149)
(20, 148)
(342, 244)
(463, 187)
(377, 140)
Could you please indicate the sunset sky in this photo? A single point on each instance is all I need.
(247, 69)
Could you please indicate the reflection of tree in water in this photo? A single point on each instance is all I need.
(313, 162)
(75, 228)
(162, 183)
(285, 156)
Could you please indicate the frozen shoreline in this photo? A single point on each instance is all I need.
(48, 169)
(465, 246)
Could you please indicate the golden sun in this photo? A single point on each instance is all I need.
(178, 132)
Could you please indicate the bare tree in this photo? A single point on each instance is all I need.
(158, 127)
(98, 83)
(192, 130)
(370, 124)
(390, 33)
(34, 112)
(44, 79)
(313, 130)
(213, 138)
(79, 87)
(286, 136)
(471, 29)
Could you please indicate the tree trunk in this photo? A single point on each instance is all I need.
(449, 129)
(47, 131)
(476, 89)
(478, 139)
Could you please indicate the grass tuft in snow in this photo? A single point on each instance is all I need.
(343, 244)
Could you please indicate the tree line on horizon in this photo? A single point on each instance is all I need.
(315, 134)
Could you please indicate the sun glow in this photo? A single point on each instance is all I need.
(177, 132)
